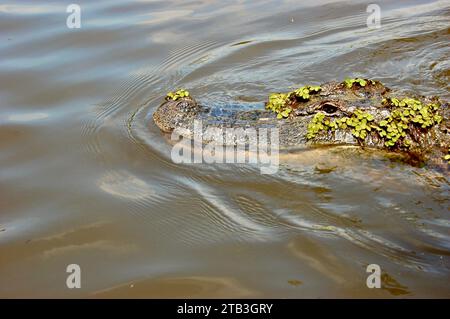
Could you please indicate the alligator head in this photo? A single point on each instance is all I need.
(173, 113)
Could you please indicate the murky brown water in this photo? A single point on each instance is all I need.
(85, 179)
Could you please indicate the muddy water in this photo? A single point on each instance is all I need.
(87, 179)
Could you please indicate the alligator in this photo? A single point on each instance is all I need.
(357, 111)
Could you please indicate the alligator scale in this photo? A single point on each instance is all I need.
(354, 112)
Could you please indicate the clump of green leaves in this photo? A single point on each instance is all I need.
(407, 113)
(315, 126)
(181, 93)
(349, 83)
(278, 103)
(282, 103)
(447, 157)
(393, 130)
(359, 122)
(304, 92)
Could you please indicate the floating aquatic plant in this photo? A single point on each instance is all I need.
(447, 157)
(277, 103)
(177, 95)
(393, 130)
(359, 123)
(408, 113)
(281, 103)
(305, 91)
(349, 83)
(413, 110)
(316, 125)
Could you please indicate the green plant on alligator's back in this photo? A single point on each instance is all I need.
(447, 156)
(181, 93)
(360, 124)
(278, 104)
(406, 114)
(282, 103)
(305, 92)
(349, 83)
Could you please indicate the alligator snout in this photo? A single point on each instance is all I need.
(172, 113)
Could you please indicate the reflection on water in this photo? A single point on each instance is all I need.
(87, 178)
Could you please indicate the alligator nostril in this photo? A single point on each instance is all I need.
(183, 104)
(329, 108)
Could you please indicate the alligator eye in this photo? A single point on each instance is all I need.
(329, 108)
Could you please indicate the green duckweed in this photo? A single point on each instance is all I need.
(281, 103)
(181, 93)
(360, 124)
(393, 130)
(407, 113)
(350, 82)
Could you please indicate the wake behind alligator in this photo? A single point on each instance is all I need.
(354, 112)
